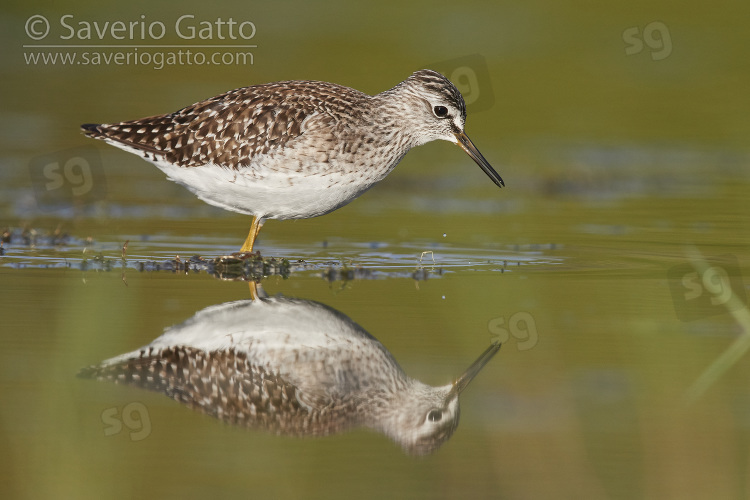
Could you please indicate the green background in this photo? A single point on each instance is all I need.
(616, 165)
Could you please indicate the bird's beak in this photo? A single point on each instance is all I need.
(463, 140)
(463, 381)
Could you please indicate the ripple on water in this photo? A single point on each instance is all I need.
(340, 258)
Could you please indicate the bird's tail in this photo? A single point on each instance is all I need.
(122, 136)
(93, 130)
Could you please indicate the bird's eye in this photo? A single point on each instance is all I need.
(435, 415)
(440, 111)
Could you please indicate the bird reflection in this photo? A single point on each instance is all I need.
(292, 367)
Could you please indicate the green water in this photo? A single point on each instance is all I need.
(623, 172)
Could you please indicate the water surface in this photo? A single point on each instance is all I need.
(603, 267)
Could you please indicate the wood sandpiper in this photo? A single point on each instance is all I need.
(295, 149)
(292, 367)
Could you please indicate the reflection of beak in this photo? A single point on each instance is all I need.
(471, 372)
(463, 140)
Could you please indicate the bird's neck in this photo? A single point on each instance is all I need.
(390, 115)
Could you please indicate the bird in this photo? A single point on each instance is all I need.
(295, 149)
(292, 367)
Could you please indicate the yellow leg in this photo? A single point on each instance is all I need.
(254, 230)
(256, 291)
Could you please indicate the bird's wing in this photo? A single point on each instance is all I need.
(232, 128)
(228, 386)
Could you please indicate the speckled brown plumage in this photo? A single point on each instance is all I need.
(227, 386)
(295, 149)
(291, 367)
(232, 128)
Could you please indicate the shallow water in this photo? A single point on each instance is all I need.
(590, 393)
(604, 267)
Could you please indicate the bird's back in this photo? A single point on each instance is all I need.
(289, 366)
(234, 128)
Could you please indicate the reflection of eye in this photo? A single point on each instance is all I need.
(440, 111)
(435, 415)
